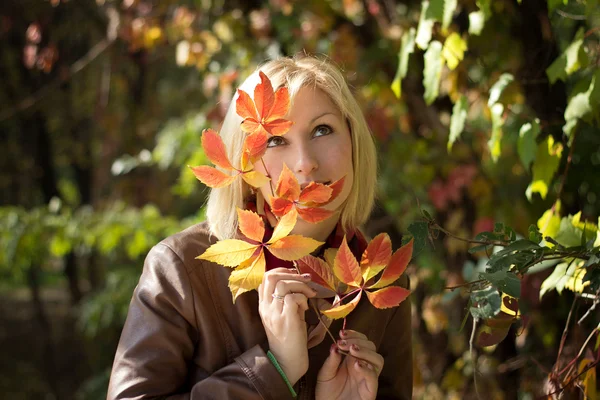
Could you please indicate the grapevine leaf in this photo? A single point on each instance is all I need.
(432, 72)
(320, 272)
(485, 303)
(255, 179)
(247, 277)
(230, 252)
(376, 256)
(212, 177)
(213, 147)
(345, 266)
(315, 193)
(396, 267)
(293, 247)
(390, 296)
(457, 122)
(251, 225)
(454, 50)
(287, 185)
(406, 49)
(284, 226)
(314, 214)
(527, 144)
(344, 309)
(573, 59)
(506, 281)
(547, 158)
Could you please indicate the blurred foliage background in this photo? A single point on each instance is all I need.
(484, 111)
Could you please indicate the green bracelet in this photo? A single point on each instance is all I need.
(278, 367)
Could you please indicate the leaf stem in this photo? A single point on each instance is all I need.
(474, 356)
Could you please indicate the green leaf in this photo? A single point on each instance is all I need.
(526, 145)
(534, 234)
(494, 144)
(506, 281)
(457, 122)
(449, 8)
(454, 50)
(496, 90)
(549, 222)
(476, 22)
(433, 71)
(485, 7)
(582, 104)
(406, 49)
(425, 27)
(552, 4)
(573, 58)
(420, 233)
(60, 246)
(547, 161)
(558, 278)
(480, 247)
(486, 303)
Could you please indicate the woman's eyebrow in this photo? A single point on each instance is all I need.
(321, 115)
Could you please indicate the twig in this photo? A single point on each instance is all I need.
(474, 356)
(564, 336)
(570, 382)
(571, 16)
(448, 233)
(464, 284)
(589, 311)
(580, 351)
(268, 176)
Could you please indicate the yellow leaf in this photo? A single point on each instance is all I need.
(343, 310)
(248, 276)
(284, 226)
(549, 223)
(330, 254)
(230, 252)
(589, 379)
(255, 179)
(454, 50)
(293, 247)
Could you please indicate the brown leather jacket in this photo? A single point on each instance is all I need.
(184, 338)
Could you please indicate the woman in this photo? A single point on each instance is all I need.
(184, 338)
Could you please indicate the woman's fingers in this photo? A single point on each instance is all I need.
(371, 357)
(295, 303)
(367, 377)
(272, 279)
(284, 288)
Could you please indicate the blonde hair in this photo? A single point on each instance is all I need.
(296, 73)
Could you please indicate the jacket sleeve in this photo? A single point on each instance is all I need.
(159, 340)
(396, 379)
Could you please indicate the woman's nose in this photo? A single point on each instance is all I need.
(306, 161)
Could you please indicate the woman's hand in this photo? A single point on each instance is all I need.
(283, 299)
(357, 376)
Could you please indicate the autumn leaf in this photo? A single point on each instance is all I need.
(212, 177)
(214, 148)
(306, 201)
(343, 310)
(249, 257)
(264, 114)
(353, 277)
(390, 296)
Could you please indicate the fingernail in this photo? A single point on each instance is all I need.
(370, 366)
(355, 347)
(333, 348)
(342, 342)
(306, 276)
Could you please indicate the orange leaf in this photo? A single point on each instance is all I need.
(215, 149)
(343, 310)
(278, 127)
(250, 125)
(280, 106)
(396, 267)
(313, 214)
(255, 145)
(336, 189)
(388, 297)
(284, 226)
(255, 179)
(264, 96)
(244, 106)
(319, 270)
(251, 225)
(287, 185)
(248, 276)
(315, 193)
(376, 256)
(346, 267)
(281, 206)
(293, 247)
(230, 252)
(212, 177)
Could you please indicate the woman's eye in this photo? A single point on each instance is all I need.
(323, 130)
(275, 141)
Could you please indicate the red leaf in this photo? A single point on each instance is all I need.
(396, 267)
(319, 270)
(287, 185)
(280, 106)
(336, 189)
(376, 256)
(215, 149)
(314, 215)
(388, 297)
(315, 193)
(251, 225)
(345, 266)
(263, 96)
(281, 206)
(212, 177)
(244, 106)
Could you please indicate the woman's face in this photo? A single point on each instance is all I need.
(318, 146)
